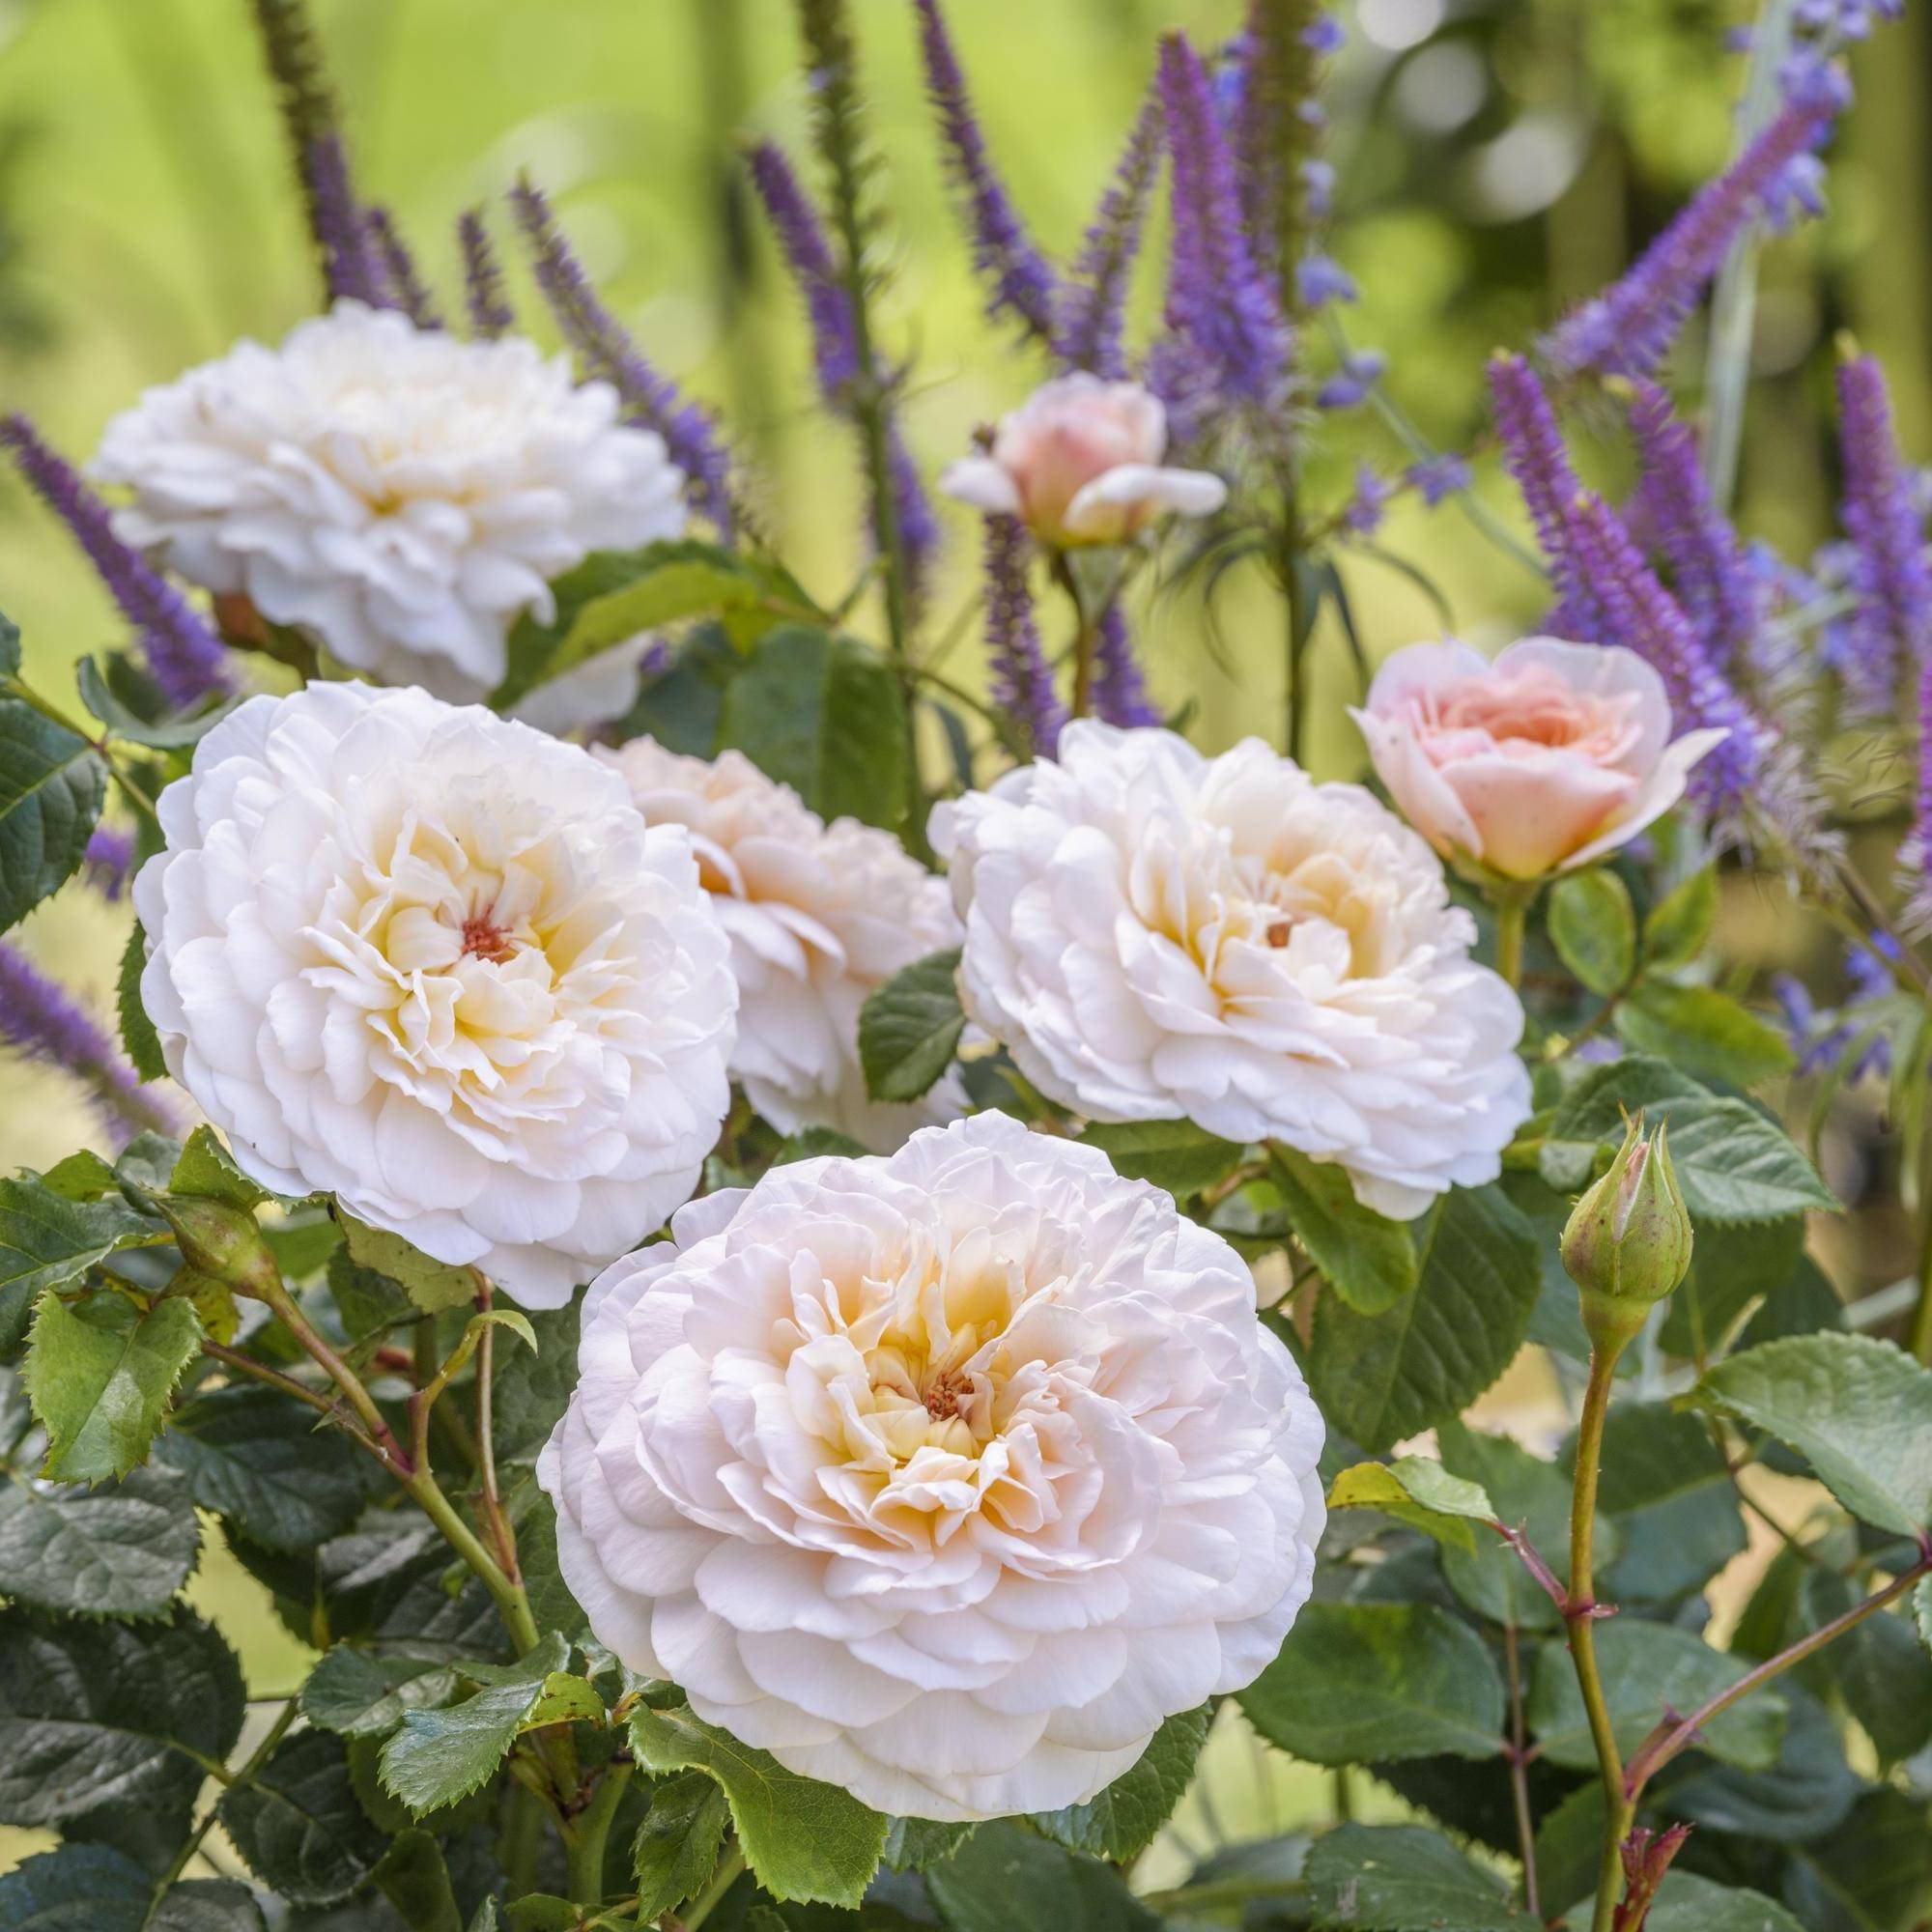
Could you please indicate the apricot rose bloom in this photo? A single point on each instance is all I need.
(1540, 763)
(1154, 934)
(943, 1477)
(1081, 462)
(434, 962)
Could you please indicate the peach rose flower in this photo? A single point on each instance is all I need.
(1539, 762)
(1081, 464)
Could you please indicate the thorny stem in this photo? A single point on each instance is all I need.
(1580, 1615)
(490, 1496)
(1086, 634)
(593, 1833)
(1512, 904)
(1294, 734)
(1918, 1333)
(247, 1776)
(730, 1869)
(103, 745)
(1668, 1739)
(1518, 1773)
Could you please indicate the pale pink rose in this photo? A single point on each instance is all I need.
(1081, 464)
(1539, 762)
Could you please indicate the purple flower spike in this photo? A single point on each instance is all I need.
(1534, 451)
(45, 1022)
(1915, 852)
(1022, 683)
(1362, 514)
(1628, 330)
(1221, 308)
(1711, 577)
(483, 298)
(834, 347)
(1320, 279)
(607, 350)
(1438, 479)
(110, 858)
(1349, 385)
(1019, 283)
(403, 288)
(1119, 692)
(1888, 636)
(183, 656)
(350, 267)
(1094, 297)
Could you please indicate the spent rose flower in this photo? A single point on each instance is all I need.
(819, 916)
(943, 1477)
(1080, 462)
(434, 962)
(1155, 935)
(400, 493)
(1539, 762)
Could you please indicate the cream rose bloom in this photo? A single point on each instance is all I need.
(819, 916)
(945, 1477)
(1155, 935)
(434, 962)
(400, 493)
(1540, 763)
(1081, 462)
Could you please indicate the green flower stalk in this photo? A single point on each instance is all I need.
(1626, 1243)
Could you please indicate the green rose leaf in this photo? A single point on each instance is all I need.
(1870, 1874)
(1703, 1031)
(299, 1826)
(912, 1844)
(106, 1713)
(909, 1028)
(1419, 1492)
(206, 1167)
(414, 1878)
(436, 1757)
(121, 1549)
(1649, 1669)
(1380, 1379)
(1356, 1683)
(805, 1840)
(285, 1478)
(431, 1284)
(99, 1376)
(356, 1693)
(676, 1845)
(51, 786)
(1401, 1878)
(1594, 929)
(1688, 1903)
(825, 715)
(1123, 1821)
(1368, 1260)
(95, 1889)
(1730, 1268)
(1004, 1879)
(1174, 1154)
(1808, 1792)
(1858, 1411)
(47, 1240)
(1681, 921)
(533, 1385)
(138, 1036)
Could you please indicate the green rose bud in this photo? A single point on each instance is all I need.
(1626, 1243)
(219, 1242)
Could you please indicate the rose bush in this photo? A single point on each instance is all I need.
(804, 1333)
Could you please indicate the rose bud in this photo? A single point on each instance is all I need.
(1541, 762)
(216, 1240)
(1626, 1243)
(1081, 464)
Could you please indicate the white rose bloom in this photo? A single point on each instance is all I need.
(819, 916)
(943, 1477)
(402, 494)
(433, 962)
(1156, 935)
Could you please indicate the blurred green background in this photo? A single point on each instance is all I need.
(1497, 160)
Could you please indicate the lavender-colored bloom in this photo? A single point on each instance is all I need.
(1323, 36)
(403, 288)
(1843, 19)
(1534, 452)
(1018, 280)
(1094, 296)
(1320, 279)
(1022, 683)
(1710, 576)
(1627, 330)
(45, 1022)
(183, 656)
(483, 298)
(1362, 514)
(834, 348)
(1220, 305)
(352, 267)
(109, 858)
(1318, 187)
(1349, 385)
(1915, 852)
(1644, 618)
(1437, 478)
(1120, 693)
(607, 350)
(1888, 636)
(1816, 1038)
